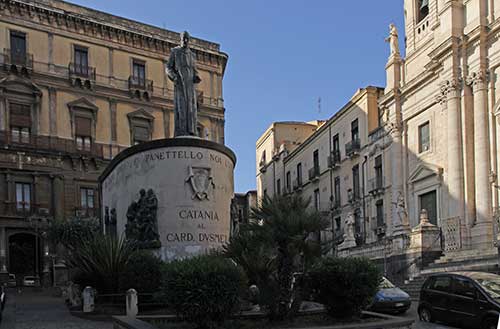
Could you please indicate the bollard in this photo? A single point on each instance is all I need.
(132, 303)
(88, 299)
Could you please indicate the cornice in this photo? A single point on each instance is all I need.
(149, 38)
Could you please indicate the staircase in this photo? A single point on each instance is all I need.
(485, 260)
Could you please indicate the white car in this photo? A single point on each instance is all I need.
(29, 281)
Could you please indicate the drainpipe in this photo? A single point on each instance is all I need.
(363, 188)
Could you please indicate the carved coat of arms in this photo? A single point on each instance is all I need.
(201, 182)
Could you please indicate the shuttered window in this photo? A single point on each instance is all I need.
(83, 133)
(424, 139)
(141, 134)
(20, 122)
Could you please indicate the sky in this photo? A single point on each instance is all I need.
(283, 56)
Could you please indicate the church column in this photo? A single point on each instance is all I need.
(455, 178)
(483, 231)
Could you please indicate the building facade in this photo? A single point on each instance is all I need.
(77, 86)
(428, 150)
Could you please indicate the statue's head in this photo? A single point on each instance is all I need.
(185, 39)
(142, 192)
(150, 192)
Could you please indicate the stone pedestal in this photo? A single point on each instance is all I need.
(425, 236)
(191, 184)
(131, 304)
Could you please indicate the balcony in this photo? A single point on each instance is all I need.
(377, 134)
(334, 159)
(82, 75)
(38, 143)
(353, 147)
(353, 195)
(17, 60)
(26, 210)
(314, 174)
(297, 185)
(336, 206)
(140, 88)
(262, 166)
(376, 185)
(86, 212)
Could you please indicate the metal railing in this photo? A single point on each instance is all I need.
(334, 159)
(353, 195)
(139, 83)
(82, 71)
(50, 143)
(377, 133)
(18, 58)
(376, 184)
(314, 173)
(297, 184)
(353, 147)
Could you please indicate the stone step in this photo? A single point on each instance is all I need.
(464, 261)
(487, 266)
(466, 254)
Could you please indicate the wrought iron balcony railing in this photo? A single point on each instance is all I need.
(297, 184)
(376, 185)
(353, 147)
(82, 71)
(140, 83)
(334, 159)
(314, 173)
(23, 59)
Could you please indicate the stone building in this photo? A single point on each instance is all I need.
(428, 152)
(77, 86)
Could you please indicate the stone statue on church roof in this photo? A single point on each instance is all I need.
(393, 40)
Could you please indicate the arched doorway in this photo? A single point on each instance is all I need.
(23, 258)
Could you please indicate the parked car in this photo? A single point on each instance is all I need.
(11, 282)
(390, 299)
(466, 298)
(29, 281)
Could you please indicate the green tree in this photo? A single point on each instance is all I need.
(282, 241)
(73, 232)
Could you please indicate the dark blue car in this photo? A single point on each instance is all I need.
(390, 299)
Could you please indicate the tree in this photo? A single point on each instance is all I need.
(281, 242)
(73, 232)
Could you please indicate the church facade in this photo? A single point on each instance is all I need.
(422, 185)
(77, 86)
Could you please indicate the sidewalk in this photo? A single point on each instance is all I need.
(36, 310)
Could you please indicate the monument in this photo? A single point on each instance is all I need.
(172, 195)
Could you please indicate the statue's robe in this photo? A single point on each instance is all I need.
(181, 69)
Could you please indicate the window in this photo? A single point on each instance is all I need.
(141, 130)
(18, 47)
(139, 73)
(20, 122)
(81, 60)
(87, 198)
(354, 130)
(424, 141)
(429, 203)
(378, 171)
(463, 287)
(337, 224)
(337, 191)
(336, 143)
(316, 161)
(83, 133)
(355, 181)
(380, 213)
(299, 174)
(442, 283)
(278, 186)
(422, 9)
(23, 196)
(288, 181)
(316, 199)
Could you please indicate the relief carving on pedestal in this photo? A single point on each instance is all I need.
(142, 222)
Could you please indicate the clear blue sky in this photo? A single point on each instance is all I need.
(283, 55)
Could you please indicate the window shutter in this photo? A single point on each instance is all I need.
(141, 133)
(83, 126)
(20, 115)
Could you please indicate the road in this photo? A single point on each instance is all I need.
(35, 310)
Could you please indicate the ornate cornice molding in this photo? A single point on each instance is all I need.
(206, 52)
(449, 88)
